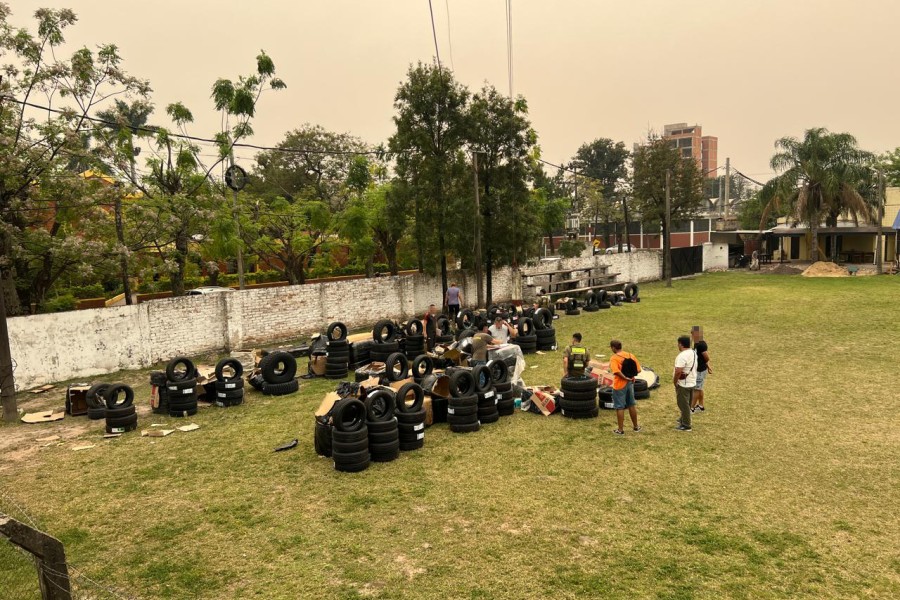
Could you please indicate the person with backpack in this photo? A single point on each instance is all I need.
(575, 358)
(625, 367)
(703, 368)
(684, 377)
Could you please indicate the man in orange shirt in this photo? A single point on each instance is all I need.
(624, 367)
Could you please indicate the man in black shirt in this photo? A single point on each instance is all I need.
(703, 368)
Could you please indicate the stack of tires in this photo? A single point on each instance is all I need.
(444, 330)
(641, 389)
(604, 394)
(181, 387)
(591, 302)
(385, 335)
(579, 397)
(601, 297)
(337, 351)
(350, 436)
(415, 338)
(572, 307)
(462, 406)
(503, 387)
(422, 367)
(229, 383)
(278, 372)
(384, 436)
(631, 292)
(410, 414)
(465, 320)
(544, 332)
(360, 353)
(396, 367)
(487, 396)
(96, 401)
(527, 338)
(120, 415)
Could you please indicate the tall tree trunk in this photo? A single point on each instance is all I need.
(667, 253)
(550, 237)
(370, 265)
(443, 252)
(123, 259)
(814, 244)
(420, 245)
(181, 252)
(391, 255)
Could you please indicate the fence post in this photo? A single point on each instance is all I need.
(50, 554)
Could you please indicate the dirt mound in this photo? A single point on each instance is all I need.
(825, 269)
(782, 270)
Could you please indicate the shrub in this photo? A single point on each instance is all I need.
(571, 248)
(60, 303)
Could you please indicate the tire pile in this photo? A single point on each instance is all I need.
(595, 300)
(415, 339)
(158, 380)
(277, 376)
(506, 400)
(572, 307)
(462, 406)
(96, 401)
(121, 416)
(181, 387)
(543, 330)
(350, 436)
(410, 417)
(444, 330)
(229, 384)
(579, 397)
(396, 368)
(385, 336)
(337, 352)
(422, 367)
(487, 396)
(527, 338)
(384, 436)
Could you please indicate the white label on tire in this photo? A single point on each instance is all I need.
(230, 386)
(421, 436)
(117, 430)
(608, 405)
(222, 404)
(451, 411)
(489, 394)
(496, 401)
(222, 395)
(173, 388)
(562, 394)
(187, 391)
(419, 427)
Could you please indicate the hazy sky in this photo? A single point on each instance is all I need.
(749, 71)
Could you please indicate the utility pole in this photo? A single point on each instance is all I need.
(727, 187)
(879, 259)
(667, 240)
(627, 224)
(237, 230)
(479, 287)
(7, 379)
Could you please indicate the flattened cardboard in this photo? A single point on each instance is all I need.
(317, 364)
(327, 403)
(43, 417)
(429, 413)
(157, 432)
(191, 427)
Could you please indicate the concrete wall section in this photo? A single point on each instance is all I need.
(715, 256)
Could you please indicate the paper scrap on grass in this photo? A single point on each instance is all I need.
(534, 366)
(107, 436)
(42, 389)
(88, 447)
(156, 432)
(49, 438)
(191, 427)
(43, 417)
(538, 352)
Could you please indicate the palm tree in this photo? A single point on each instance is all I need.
(819, 180)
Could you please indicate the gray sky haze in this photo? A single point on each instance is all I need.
(748, 71)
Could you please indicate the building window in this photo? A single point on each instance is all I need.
(686, 152)
(685, 143)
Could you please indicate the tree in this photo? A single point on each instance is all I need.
(431, 133)
(819, 178)
(551, 213)
(889, 162)
(652, 162)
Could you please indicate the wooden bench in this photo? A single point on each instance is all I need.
(590, 287)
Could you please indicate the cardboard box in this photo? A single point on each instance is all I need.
(327, 403)
(76, 399)
(543, 397)
(317, 365)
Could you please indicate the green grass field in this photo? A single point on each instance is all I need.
(788, 487)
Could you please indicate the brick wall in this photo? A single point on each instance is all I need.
(82, 344)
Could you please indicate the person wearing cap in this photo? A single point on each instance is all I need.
(703, 368)
(625, 367)
(501, 330)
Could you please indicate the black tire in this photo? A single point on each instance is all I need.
(459, 412)
(174, 374)
(484, 381)
(179, 414)
(322, 439)
(336, 328)
(461, 384)
(229, 363)
(412, 446)
(488, 419)
(352, 467)
(545, 334)
(228, 386)
(642, 395)
(526, 327)
(579, 384)
(183, 403)
(337, 358)
(96, 396)
(257, 382)
(570, 312)
(542, 319)
(466, 333)
(349, 415)
(120, 413)
(121, 421)
(122, 429)
(336, 373)
(396, 359)
(414, 327)
(604, 305)
(604, 395)
(410, 430)
(584, 395)
(350, 437)
(578, 405)
(349, 447)
(422, 366)
(95, 414)
(631, 291)
(499, 373)
(281, 389)
(229, 395)
(444, 326)
(463, 401)
(384, 332)
(349, 458)
(506, 411)
(590, 300)
(278, 367)
(337, 346)
(592, 414)
(465, 319)
(465, 428)
(400, 400)
(380, 405)
(384, 438)
(601, 296)
(415, 418)
(640, 386)
(382, 426)
(112, 397)
(503, 388)
(390, 452)
(591, 308)
(181, 388)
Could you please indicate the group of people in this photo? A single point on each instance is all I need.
(692, 365)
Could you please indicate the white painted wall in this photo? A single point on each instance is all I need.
(82, 344)
(715, 256)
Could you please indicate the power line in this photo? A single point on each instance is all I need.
(437, 51)
(449, 37)
(509, 49)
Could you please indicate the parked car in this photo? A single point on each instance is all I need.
(208, 289)
(614, 249)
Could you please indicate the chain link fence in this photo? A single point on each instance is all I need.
(32, 575)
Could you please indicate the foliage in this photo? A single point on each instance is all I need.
(819, 180)
(603, 160)
(571, 248)
(750, 214)
(651, 163)
(889, 162)
(551, 213)
(61, 303)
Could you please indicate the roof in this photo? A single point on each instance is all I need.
(831, 230)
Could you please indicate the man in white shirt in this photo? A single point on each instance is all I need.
(501, 330)
(685, 378)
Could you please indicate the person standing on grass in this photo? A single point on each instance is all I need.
(575, 358)
(624, 367)
(703, 368)
(684, 378)
(453, 299)
(430, 323)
